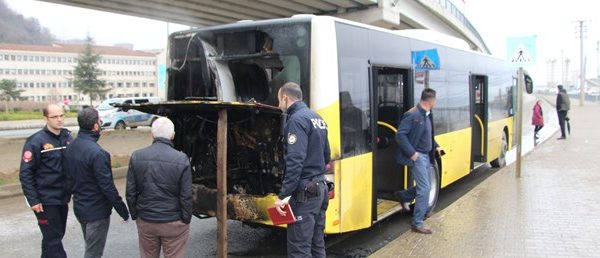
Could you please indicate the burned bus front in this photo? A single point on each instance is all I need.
(240, 68)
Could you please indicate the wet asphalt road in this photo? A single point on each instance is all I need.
(20, 237)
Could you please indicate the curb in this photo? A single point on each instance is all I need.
(12, 190)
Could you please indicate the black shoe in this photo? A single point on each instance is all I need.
(405, 205)
(562, 138)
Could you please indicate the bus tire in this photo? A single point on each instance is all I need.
(434, 192)
(501, 160)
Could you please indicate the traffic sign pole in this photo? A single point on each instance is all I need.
(519, 119)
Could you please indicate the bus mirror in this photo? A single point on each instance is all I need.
(528, 84)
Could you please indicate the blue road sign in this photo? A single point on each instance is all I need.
(520, 51)
(426, 60)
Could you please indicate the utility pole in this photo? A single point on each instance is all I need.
(598, 59)
(566, 79)
(581, 31)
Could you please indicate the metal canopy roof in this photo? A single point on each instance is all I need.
(213, 12)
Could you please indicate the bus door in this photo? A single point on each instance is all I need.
(391, 87)
(479, 119)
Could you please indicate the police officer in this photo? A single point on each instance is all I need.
(306, 154)
(43, 181)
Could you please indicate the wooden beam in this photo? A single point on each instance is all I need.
(222, 184)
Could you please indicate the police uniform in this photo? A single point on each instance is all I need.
(43, 181)
(306, 154)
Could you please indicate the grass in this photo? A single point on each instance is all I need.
(27, 115)
(9, 178)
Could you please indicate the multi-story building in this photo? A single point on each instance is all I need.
(45, 72)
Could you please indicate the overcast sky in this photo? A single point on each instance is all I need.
(551, 21)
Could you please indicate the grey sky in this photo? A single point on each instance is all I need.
(551, 21)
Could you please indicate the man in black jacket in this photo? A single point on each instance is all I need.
(159, 194)
(90, 179)
(563, 104)
(43, 181)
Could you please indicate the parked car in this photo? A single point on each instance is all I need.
(116, 118)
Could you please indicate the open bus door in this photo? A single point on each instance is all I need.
(479, 119)
(392, 97)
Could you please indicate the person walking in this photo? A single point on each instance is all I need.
(563, 104)
(306, 155)
(537, 120)
(43, 181)
(417, 149)
(159, 194)
(90, 180)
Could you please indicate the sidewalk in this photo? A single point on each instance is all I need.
(29, 124)
(553, 210)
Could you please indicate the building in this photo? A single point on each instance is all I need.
(45, 72)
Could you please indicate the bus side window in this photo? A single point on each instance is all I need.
(354, 126)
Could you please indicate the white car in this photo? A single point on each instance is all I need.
(116, 118)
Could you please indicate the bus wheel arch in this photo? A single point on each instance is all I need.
(501, 160)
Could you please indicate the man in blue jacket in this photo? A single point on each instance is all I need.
(43, 181)
(89, 176)
(306, 154)
(417, 148)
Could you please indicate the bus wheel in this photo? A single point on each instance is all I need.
(434, 177)
(501, 160)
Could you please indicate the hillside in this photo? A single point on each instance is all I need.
(14, 28)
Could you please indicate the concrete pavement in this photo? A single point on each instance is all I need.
(551, 211)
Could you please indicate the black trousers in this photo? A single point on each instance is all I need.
(306, 237)
(562, 121)
(52, 223)
(537, 129)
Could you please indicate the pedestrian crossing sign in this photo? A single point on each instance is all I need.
(426, 60)
(520, 50)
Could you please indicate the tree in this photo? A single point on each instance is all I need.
(9, 91)
(86, 73)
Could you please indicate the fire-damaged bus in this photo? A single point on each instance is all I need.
(359, 78)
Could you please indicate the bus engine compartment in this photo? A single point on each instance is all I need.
(239, 70)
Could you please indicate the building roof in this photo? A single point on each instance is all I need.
(75, 48)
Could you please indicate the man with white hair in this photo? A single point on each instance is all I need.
(159, 194)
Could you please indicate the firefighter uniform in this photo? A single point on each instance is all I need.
(43, 181)
(306, 154)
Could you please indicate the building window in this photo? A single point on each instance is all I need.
(128, 84)
(136, 84)
(144, 84)
(151, 85)
(137, 95)
(151, 94)
(119, 85)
